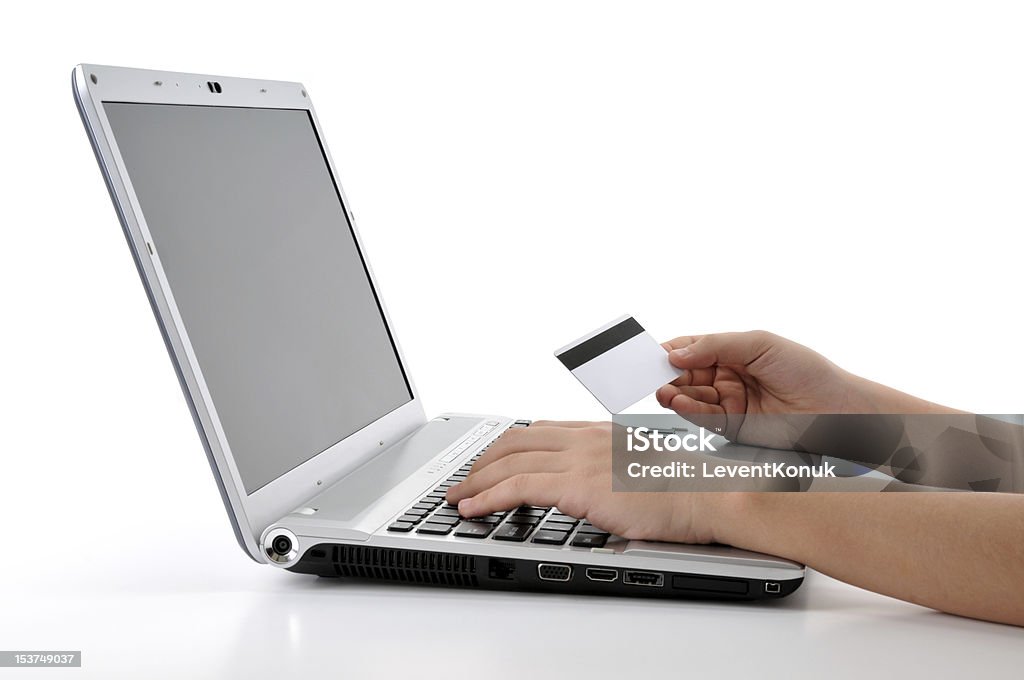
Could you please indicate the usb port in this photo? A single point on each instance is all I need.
(772, 588)
(607, 575)
(643, 578)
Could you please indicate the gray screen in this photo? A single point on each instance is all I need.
(263, 265)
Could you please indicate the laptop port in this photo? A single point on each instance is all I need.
(643, 578)
(504, 570)
(554, 572)
(772, 588)
(606, 575)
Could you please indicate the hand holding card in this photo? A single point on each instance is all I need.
(620, 363)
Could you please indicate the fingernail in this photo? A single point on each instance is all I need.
(680, 353)
(464, 505)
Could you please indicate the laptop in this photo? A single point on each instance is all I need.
(324, 458)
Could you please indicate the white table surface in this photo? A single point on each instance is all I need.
(153, 612)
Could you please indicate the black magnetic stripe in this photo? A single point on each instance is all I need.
(600, 343)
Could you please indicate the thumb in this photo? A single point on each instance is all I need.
(729, 349)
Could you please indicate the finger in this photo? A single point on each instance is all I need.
(524, 462)
(702, 393)
(680, 342)
(533, 438)
(684, 406)
(665, 393)
(543, 489)
(695, 376)
(732, 349)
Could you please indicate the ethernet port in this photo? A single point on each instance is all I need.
(502, 570)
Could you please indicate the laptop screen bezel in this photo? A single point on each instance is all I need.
(251, 513)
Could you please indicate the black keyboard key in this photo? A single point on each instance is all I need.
(444, 519)
(423, 506)
(523, 519)
(447, 512)
(400, 526)
(550, 537)
(531, 511)
(591, 529)
(411, 517)
(488, 519)
(555, 526)
(590, 540)
(559, 517)
(435, 496)
(474, 529)
(434, 528)
(513, 532)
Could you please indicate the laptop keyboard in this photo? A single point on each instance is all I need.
(432, 515)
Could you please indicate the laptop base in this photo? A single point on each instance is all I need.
(471, 571)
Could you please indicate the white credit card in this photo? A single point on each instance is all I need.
(620, 363)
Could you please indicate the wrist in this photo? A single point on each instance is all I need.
(867, 396)
(758, 521)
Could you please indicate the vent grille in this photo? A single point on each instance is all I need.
(407, 566)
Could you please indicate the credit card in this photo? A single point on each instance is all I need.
(620, 363)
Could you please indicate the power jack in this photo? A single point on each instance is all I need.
(772, 588)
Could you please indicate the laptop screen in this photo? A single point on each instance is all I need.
(263, 265)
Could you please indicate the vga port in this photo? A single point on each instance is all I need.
(554, 572)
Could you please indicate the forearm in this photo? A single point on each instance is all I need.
(961, 553)
(867, 396)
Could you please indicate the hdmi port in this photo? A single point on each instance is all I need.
(643, 578)
(607, 575)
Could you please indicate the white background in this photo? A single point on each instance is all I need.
(848, 175)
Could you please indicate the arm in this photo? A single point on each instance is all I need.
(961, 553)
(758, 388)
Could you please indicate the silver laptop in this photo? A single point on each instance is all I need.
(314, 431)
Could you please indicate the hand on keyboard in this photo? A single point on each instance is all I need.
(431, 516)
(569, 465)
